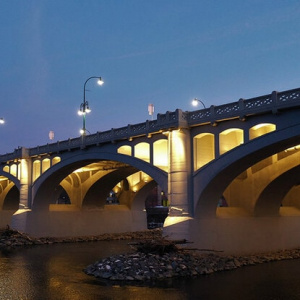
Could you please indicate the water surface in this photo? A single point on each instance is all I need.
(55, 272)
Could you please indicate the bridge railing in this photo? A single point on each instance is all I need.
(164, 122)
(170, 120)
(242, 108)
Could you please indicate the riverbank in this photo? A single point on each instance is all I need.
(152, 257)
(10, 238)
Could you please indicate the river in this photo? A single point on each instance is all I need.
(55, 272)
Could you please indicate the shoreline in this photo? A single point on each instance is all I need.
(154, 258)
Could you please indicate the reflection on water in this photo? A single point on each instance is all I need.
(56, 272)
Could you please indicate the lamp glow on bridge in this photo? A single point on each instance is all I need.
(84, 106)
(2, 121)
(196, 101)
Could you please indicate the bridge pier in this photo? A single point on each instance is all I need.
(25, 179)
(179, 171)
(179, 185)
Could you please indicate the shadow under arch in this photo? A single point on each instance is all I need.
(43, 187)
(12, 199)
(140, 198)
(211, 180)
(270, 199)
(10, 195)
(98, 192)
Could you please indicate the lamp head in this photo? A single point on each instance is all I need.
(195, 102)
(100, 81)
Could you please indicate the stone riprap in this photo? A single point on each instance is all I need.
(139, 266)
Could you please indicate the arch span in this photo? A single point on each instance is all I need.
(12, 178)
(270, 199)
(43, 187)
(105, 185)
(209, 186)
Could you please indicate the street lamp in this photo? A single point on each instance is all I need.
(84, 106)
(2, 121)
(196, 101)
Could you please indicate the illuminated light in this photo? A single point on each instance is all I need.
(204, 149)
(13, 170)
(292, 148)
(180, 146)
(84, 106)
(261, 129)
(196, 101)
(21, 211)
(2, 178)
(2, 121)
(142, 151)
(45, 164)
(81, 131)
(175, 220)
(125, 150)
(100, 81)
(24, 171)
(36, 172)
(56, 160)
(230, 138)
(80, 112)
(258, 126)
(160, 154)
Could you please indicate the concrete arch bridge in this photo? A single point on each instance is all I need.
(229, 173)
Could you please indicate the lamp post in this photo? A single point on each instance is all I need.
(84, 106)
(196, 101)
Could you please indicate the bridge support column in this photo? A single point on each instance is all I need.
(179, 170)
(25, 179)
(19, 218)
(179, 184)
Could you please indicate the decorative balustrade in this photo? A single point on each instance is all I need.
(263, 104)
(172, 120)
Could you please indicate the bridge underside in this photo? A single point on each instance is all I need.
(76, 201)
(259, 210)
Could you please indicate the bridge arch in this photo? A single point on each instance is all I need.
(10, 192)
(45, 184)
(270, 200)
(209, 186)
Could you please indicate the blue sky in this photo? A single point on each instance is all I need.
(164, 52)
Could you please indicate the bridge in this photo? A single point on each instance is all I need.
(228, 173)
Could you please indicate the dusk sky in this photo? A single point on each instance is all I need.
(164, 52)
